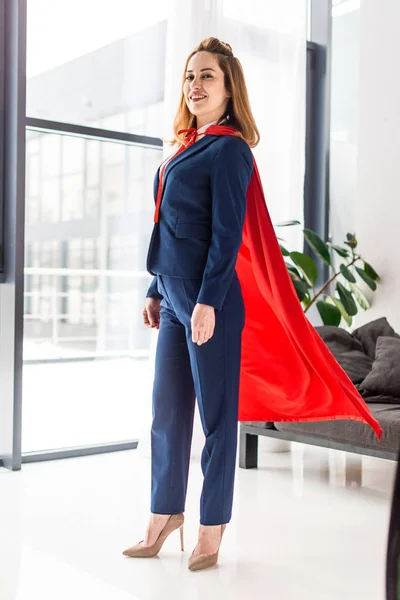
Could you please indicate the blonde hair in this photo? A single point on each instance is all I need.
(238, 108)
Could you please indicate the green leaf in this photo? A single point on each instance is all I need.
(317, 245)
(370, 271)
(293, 270)
(341, 251)
(284, 251)
(307, 265)
(300, 287)
(359, 296)
(370, 282)
(286, 223)
(347, 299)
(337, 302)
(296, 275)
(330, 315)
(347, 274)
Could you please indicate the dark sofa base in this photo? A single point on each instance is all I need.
(248, 443)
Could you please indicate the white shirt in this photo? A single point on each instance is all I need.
(200, 134)
(201, 130)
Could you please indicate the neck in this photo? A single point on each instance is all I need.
(201, 122)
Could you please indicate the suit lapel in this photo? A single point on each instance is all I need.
(187, 153)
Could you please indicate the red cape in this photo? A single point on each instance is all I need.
(287, 372)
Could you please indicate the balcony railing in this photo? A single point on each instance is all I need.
(64, 321)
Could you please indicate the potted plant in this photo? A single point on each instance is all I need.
(346, 297)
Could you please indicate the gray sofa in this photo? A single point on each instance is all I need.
(370, 355)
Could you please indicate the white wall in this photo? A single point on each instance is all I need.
(375, 174)
(377, 207)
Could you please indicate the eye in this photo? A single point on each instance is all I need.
(205, 75)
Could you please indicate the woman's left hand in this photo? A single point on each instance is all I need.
(203, 323)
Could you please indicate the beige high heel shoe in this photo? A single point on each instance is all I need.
(203, 561)
(138, 551)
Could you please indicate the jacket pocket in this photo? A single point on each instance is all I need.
(200, 231)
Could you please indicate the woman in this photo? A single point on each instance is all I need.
(216, 260)
(196, 303)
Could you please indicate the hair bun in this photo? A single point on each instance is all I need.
(227, 46)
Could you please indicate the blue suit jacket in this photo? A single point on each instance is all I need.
(201, 218)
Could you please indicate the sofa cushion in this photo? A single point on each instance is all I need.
(374, 398)
(338, 340)
(384, 377)
(369, 333)
(347, 350)
(356, 364)
(354, 432)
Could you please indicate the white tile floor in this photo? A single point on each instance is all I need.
(307, 524)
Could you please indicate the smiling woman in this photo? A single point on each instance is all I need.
(214, 90)
(195, 299)
(204, 88)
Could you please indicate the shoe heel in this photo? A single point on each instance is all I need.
(181, 534)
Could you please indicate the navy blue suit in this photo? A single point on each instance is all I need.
(192, 255)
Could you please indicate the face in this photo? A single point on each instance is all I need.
(205, 78)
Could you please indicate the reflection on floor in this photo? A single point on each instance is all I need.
(308, 524)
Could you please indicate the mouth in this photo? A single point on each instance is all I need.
(197, 98)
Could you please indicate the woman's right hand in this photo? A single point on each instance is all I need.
(151, 313)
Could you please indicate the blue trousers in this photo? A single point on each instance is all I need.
(185, 371)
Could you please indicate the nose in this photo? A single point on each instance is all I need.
(195, 84)
(195, 88)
